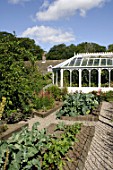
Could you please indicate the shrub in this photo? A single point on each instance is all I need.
(64, 92)
(55, 91)
(109, 95)
(44, 101)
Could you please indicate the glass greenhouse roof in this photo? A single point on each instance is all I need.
(88, 60)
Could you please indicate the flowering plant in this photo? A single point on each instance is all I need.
(2, 105)
(99, 92)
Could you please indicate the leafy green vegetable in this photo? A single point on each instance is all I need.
(35, 149)
(78, 104)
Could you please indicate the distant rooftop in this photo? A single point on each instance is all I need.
(42, 66)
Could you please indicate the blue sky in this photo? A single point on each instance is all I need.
(52, 22)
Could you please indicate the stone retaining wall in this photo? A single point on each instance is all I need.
(77, 155)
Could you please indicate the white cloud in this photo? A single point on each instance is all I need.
(46, 34)
(45, 4)
(65, 8)
(17, 1)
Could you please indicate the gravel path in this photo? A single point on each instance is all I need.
(44, 122)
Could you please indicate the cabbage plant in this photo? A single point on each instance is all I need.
(78, 104)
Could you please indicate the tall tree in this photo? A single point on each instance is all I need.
(22, 44)
(87, 47)
(110, 48)
(29, 44)
(57, 52)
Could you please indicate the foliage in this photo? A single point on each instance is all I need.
(55, 91)
(62, 51)
(103, 96)
(109, 95)
(78, 104)
(18, 82)
(29, 44)
(3, 127)
(57, 52)
(64, 92)
(35, 149)
(89, 47)
(14, 83)
(85, 78)
(22, 150)
(110, 47)
(75, 78)
(105, 78)
(44, 101)
(58, 147)
(66, 78)
(26, 44)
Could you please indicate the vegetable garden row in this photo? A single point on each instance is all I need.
(36, 149)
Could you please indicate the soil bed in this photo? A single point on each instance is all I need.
(75, 158)
(12, 128)
(44, 114)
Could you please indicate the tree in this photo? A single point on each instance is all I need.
(19, 83)
(23, 44)
(70, 50)
(110, 48)
(14, 84)
(5, 36)
(62, 51)
(87, 47)
(57, 52)
(29, 44)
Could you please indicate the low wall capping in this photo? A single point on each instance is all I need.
(12, 129)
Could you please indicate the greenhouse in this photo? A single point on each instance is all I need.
(85, 72)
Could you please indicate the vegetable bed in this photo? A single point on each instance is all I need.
(77, 154)
(78, 104)
(35, 149)
(60, 147)
(93, 116)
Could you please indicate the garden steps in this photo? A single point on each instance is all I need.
(100, 156)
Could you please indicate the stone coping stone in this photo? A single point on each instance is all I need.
(81, 118)
(43, 114)
(12, 128)
(76, 156)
